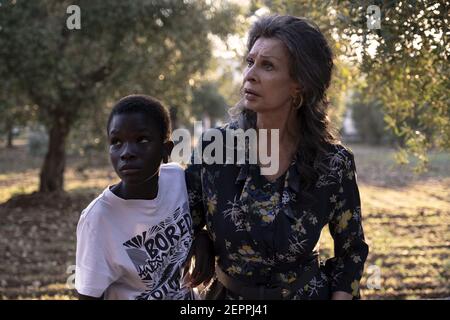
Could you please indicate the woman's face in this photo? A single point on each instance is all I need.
(268, 85)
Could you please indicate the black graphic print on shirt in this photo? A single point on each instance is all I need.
(159, 253)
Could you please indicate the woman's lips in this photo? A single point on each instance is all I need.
(250, 95)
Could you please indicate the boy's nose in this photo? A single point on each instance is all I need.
(127, 152)
(127, 156)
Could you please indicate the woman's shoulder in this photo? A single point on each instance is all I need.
(232, 125)
(339, 148)
(337, 157)
(218, 132)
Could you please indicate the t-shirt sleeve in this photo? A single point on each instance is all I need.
(93, 273)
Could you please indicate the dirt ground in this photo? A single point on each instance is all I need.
(406, 220)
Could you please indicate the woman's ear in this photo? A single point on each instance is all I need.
(295, 89)
(167, 150)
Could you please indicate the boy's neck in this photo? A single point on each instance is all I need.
(145, 191)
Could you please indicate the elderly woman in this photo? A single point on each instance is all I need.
(264, 228)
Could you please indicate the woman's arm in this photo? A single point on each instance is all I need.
(350, 248)
(202, 249)
(195, 193)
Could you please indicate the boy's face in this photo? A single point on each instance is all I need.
(136, 147)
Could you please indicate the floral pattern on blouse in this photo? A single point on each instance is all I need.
(263, 233)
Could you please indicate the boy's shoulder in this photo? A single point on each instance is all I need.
(95, 208)
(172, 181)
(171, 168)
(172, 177)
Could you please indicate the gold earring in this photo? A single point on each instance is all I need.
(296, 103)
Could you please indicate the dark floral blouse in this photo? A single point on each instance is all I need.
(263, 234)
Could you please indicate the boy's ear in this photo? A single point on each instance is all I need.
(167, 150)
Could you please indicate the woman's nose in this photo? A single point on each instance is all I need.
(250, 74)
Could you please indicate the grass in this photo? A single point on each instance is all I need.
(406, 220)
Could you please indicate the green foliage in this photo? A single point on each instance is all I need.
(152, 47)
(368, 117)
(37, 142)
(13, 117)
(122, 47)
(208, 101)
(14, 112)
(409, 71)
(89, 137)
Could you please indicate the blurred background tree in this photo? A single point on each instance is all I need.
(368, 118)
(406, 67)
(15, 114)
(208, 102)
(68, 80)
(122, 47)
(403, 65)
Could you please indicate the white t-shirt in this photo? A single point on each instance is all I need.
(134, 249)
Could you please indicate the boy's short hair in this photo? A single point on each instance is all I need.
(148, 106)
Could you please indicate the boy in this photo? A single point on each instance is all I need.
(133, 239)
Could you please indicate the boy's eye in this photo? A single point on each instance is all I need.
(143, 140)
(115, 142)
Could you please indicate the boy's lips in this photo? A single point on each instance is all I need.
(129, 170)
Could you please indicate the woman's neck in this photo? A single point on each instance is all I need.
(280, 155)
(283, 120)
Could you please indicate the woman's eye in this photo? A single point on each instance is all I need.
(268, 66)
(249, 62)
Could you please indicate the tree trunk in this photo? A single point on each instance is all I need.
(9, 138)
(52, 171)
(174, 117)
